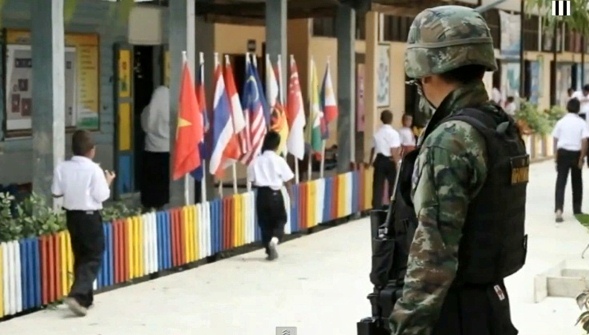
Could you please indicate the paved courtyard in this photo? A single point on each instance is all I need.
(319, 285)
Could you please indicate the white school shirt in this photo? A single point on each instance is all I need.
(570, 130)
(407, 137)
(584, 100)
(82, 184)
(386, 138)
(155, 121)
(269, 170)
(510, 108)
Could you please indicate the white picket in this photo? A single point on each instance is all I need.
(11, 279)
(320, 199)
(286, 197)
(349, 192)
(153, 242)
(205, 228)
(144, 219)
(6, 277)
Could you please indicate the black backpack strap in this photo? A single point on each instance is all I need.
(484, 123)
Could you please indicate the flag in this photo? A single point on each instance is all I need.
(253, 103)
(278, 122)
(190, 128)
(198, 174)
(328, 100)
(318, 126)
(239, 124)
(225, 144)
(295, 114)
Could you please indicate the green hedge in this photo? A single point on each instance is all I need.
(32, 216)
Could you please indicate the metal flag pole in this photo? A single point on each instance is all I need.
(186, 176)
(203, 182)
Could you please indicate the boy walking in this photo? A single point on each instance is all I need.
(268, 173)
(570, 145)
(84, 187)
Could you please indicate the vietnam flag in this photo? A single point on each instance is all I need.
(190, 131)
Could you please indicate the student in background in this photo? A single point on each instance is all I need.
(268, 173)
(84, 186)
(510, 106)
(583, 97)
(570, 145)
(155, 121)
(385, 157)
(407, 136)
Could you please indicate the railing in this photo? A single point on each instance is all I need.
(38, 271)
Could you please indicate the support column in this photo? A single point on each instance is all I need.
(370, 84)
(182, 38)
(276, 17)
(205, 43)
(48, 85)
(346, 83)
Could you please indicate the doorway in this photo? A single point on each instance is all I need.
(144, 84)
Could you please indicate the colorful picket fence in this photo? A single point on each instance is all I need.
(37, 271)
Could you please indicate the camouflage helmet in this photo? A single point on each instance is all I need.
(444, 38)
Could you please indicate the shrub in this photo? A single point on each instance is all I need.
(528, 116)
(34, 217)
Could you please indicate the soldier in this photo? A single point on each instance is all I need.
(467, 184)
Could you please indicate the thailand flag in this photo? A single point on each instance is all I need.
(225, 143)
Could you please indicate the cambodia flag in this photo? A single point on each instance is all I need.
(203, 147)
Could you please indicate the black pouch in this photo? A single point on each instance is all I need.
(382, 260)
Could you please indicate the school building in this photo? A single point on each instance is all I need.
(96, 67)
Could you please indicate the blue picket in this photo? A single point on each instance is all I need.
(24, 270)
(294, 211)
(160, 241)
(167, 241)
(36, 252)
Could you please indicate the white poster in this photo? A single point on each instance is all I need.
(382, 75)
(19, 75)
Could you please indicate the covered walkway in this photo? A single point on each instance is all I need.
(318, 285)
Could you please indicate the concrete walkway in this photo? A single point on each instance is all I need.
(319, 285)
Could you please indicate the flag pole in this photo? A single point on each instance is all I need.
(186, 176)
(234, 168)
(203, 181)
(216, 55)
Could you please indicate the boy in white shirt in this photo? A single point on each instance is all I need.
(570, 145)
(407, 135)
(84, 186)
(268, 173)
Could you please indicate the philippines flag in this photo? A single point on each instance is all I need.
(204, 149)
(253, 102)
(225, 144)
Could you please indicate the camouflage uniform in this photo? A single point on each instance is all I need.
(451, 166)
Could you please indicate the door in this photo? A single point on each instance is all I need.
(124, 135)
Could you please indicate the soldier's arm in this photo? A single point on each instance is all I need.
(451, 170)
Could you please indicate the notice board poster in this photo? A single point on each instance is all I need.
(81, 81)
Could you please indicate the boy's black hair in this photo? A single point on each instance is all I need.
(464, 74)
(82, 143)
(573, 106)
(386, 116)
(271, 141)
(510, 99)
(586, 87)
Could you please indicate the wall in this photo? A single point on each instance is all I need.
(323, 47)
(90, 16)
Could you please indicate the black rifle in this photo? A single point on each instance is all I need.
(389, 261)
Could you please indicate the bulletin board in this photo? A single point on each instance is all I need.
(82, 81)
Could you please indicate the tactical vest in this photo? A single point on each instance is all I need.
(494, 244)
